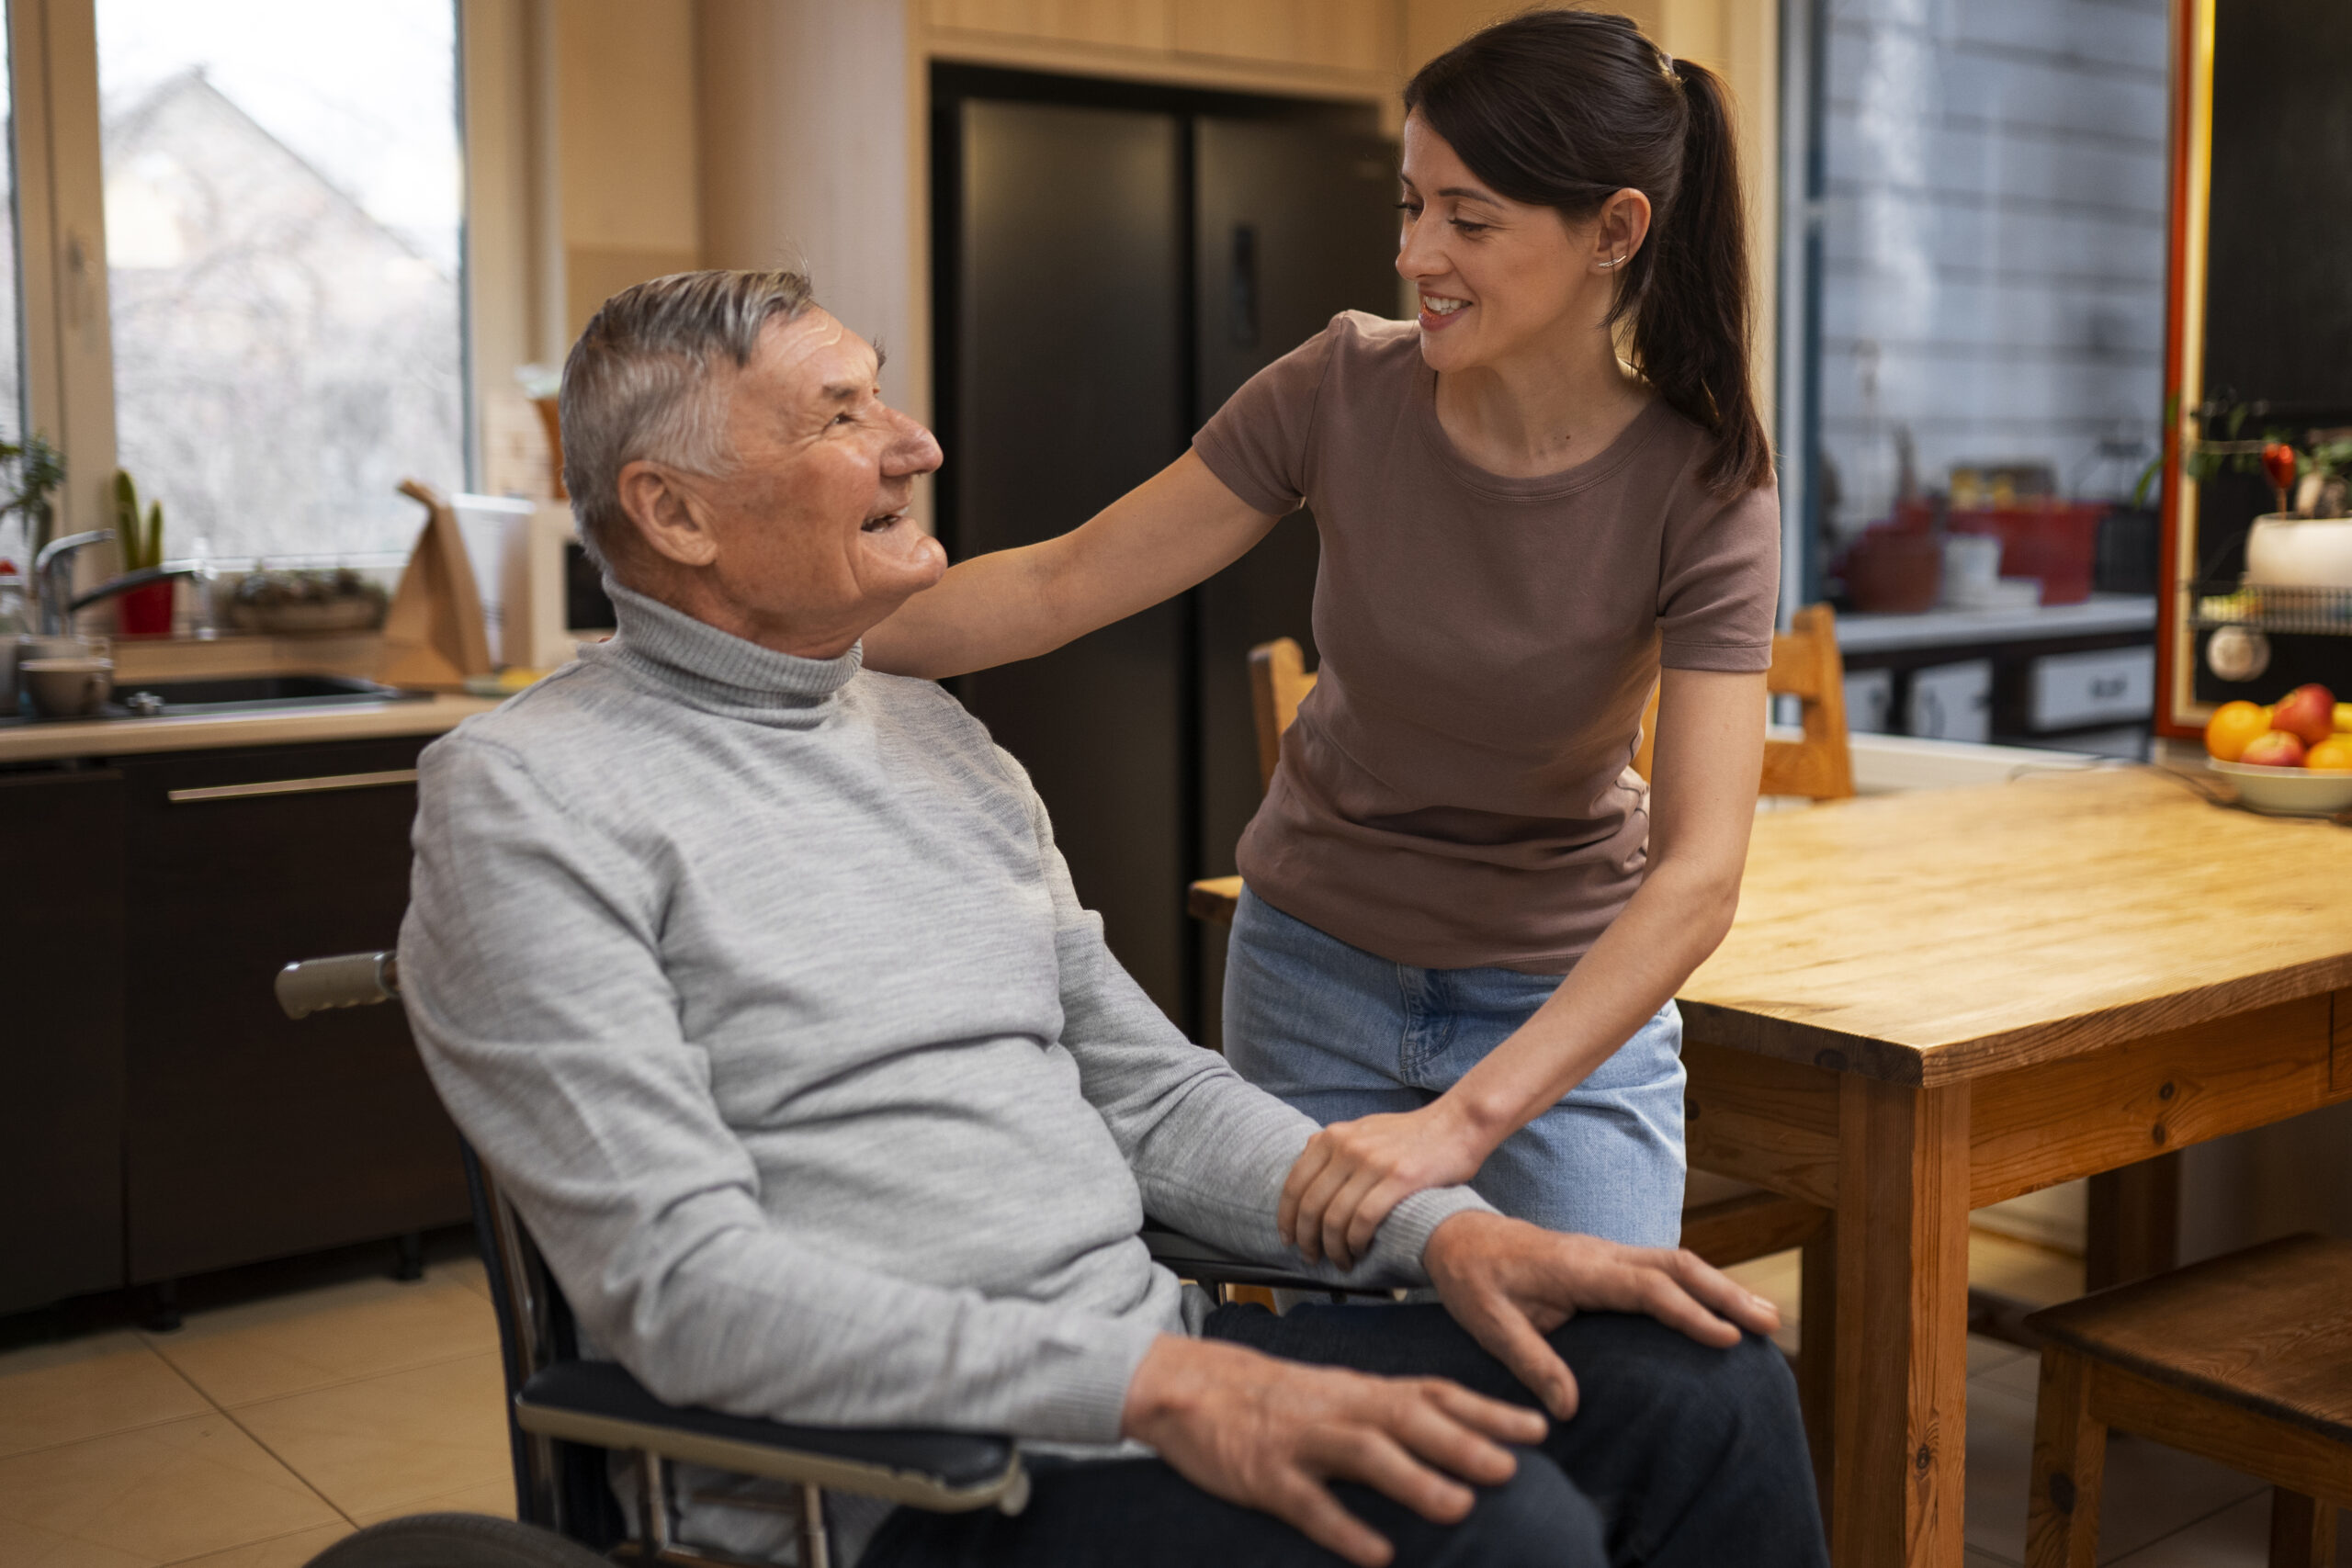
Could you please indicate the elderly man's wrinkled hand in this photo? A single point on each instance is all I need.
(1511, 1283)
(1272, 1435)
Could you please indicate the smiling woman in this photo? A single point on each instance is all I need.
(1465, 914)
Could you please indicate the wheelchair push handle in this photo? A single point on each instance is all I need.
(348, 980)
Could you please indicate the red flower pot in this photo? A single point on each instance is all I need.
(146, 612)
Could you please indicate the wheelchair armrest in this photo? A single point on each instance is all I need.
(599, 1403)
(1208, 1264)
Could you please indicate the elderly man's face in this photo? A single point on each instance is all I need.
(804, 543)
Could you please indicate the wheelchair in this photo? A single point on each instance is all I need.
(566, 1416)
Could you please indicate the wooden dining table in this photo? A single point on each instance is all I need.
(1936, 1000)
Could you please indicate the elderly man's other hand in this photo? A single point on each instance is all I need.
(1509, 1283)
(1271, 1433)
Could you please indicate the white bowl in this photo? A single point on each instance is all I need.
(2300, 552)
(2287, 792)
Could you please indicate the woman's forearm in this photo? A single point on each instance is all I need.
(990, 610)
(1674, 920)
(1166, 534)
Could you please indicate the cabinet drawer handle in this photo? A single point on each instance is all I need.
(294, 787)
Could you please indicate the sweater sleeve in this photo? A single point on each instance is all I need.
(1209, 1150)
(533, 975)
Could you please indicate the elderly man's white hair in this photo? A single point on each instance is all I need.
(638, 382)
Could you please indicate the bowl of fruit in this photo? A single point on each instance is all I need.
(2290, 759)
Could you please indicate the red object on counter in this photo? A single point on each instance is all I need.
(1894, 570)
(146, 612)
(2057, 542)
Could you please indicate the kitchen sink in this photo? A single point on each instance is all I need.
(247, 693)
(135, 700)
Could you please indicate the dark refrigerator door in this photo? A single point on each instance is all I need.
(1070, 388)
(1293, 223)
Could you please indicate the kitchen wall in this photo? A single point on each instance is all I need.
(610, 140)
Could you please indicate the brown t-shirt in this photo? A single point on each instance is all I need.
(1457, 791)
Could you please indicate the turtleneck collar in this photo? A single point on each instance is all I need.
(716, 670)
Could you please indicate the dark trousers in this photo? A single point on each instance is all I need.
(1678, 1456)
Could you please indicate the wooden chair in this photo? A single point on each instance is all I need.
(2245, 1360)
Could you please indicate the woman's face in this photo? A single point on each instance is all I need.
(1499, 280)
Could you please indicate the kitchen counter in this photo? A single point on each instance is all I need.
(49, 740)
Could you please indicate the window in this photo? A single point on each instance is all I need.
(283, 219)
(12, 390)
(1982, 348)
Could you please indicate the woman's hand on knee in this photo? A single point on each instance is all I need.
(1511, 1283)
(1352, 1174)
(1272, 1435)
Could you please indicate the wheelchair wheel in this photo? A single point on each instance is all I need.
(456, 1541)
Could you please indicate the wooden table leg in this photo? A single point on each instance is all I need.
(1817, 1359)
(2133, 1225)
(1902, 1336)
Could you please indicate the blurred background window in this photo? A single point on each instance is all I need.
(12, 378)
(283, 205)
(1983, 352)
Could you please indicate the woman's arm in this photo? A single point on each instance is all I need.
(1710, 756)
(1169, 533)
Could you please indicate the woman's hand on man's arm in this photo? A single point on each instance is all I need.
(1174, 530)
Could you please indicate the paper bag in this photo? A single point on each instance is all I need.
(434, 634)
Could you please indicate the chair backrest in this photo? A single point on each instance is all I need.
(1805, 665)
(1279, 682)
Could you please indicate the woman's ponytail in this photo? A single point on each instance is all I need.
(1690, 330)
(1565, 109)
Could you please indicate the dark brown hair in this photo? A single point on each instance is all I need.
(1566, 108)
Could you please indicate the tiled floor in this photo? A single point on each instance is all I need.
(2160, 1509)
(258, 1433)
(265, 1430)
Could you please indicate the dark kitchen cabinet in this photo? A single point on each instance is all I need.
(60, 1047)
(246, 1134)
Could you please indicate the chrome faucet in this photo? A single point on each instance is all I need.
(53, 580)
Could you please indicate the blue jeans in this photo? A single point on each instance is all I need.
(1340, 1033)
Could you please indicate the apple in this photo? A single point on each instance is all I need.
(2307, 713)
(2277, 748)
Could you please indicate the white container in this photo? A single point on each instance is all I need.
(2300, 552)
(2287, 792)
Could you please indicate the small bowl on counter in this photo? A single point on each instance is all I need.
(2287, 792)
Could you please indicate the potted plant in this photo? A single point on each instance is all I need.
(144, 611)
(39, 469)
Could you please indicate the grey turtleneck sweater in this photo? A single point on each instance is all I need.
(760, 984)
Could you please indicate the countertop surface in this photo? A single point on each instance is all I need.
(49, 740)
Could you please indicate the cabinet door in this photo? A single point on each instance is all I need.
(1069, 369)
(60, 1048)
(248, 1134)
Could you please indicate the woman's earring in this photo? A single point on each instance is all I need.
(1613, 261)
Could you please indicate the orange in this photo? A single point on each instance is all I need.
(2231, 729)
(2333, 755)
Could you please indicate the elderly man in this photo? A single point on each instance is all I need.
(760, 983)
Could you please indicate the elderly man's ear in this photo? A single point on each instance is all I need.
(669, 519)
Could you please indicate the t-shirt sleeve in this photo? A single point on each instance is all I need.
(1720, 586)
(1257, 444)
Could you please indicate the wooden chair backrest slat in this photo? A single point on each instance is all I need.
(1807, 666)
(1279, 682)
